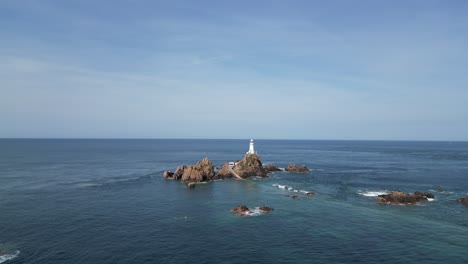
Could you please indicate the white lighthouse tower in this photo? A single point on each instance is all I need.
(251, 147)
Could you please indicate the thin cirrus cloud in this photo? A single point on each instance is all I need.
(296, 70)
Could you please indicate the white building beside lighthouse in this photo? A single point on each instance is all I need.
(251, 147)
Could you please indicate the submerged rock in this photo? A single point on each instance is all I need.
(424, 194)
(191, 185)
(297, 168)
(265, 209)
(272, 168)
(404, 198)
(463, 200)
(241, 210)
(250, 165)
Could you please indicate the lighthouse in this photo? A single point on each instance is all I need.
(251, 147)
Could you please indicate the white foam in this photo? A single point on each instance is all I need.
(255, 212)
(372, 194)
(291, 189)
(430, 199)
(7, 257)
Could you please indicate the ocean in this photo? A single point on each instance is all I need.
(105, 201)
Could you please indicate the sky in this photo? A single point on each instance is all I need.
(366, 70)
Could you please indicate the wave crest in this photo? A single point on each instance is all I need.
(372, 194)
(7, 257)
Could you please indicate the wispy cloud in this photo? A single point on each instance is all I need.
(367, 74)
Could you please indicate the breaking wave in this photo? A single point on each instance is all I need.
(255, 212)
(372, 194)
(7, 257)
(291, 189)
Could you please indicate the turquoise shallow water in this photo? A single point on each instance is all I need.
(104, 201)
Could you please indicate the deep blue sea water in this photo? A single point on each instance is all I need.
(104, 201)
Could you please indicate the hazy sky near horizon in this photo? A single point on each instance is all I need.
(395, 70)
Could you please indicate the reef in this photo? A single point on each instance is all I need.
(404, 198)
(243, 210)
(272, 168)
(463, 200)
(297, 168)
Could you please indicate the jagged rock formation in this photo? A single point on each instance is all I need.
(201, 171)
(250, 165)
(224, 172)
(271, 168)
(463, 200)
(179, 172)
(404, 198)
(297, 168)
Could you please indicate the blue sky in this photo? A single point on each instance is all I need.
(390, 70)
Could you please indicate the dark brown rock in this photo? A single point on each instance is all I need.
(404, 198)
(179, 172)
(200, 172)
(297, 168)
(265, 209)
(168, 175)
(424, 194)
(224, 172)
(463, 200)
(250, 165)
(271, 168)
(241, 210)
(310, 193)
(294, 196)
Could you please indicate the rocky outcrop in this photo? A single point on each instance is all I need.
(297, 168)
(200, 172)
(250, 165)
(224, 172)
(241, 210)
(463, 200)
(168, 175)
(404, 198)
(272, 168)
(265, 209)
(179, 172)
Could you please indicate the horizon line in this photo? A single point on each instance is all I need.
(143, 138)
